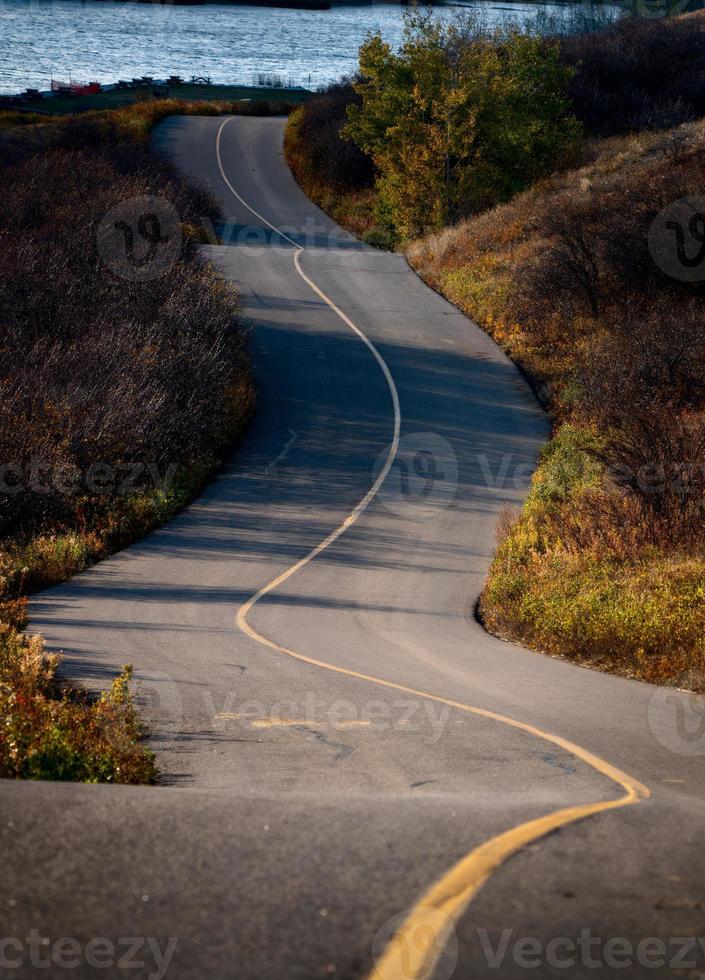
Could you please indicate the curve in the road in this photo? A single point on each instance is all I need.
(419, 942)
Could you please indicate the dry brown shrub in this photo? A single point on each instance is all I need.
(94, 368)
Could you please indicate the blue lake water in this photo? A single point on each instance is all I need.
(106, 40)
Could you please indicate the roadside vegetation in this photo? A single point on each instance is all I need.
(53, 731)
(24, 133)
(452, 123)
(124, 378)
(331, 168)
(586, 278)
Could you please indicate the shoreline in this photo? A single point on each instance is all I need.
(115, 95)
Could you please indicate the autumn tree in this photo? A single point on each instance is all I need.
(457, 120)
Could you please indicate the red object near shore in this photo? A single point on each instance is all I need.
(75, 88)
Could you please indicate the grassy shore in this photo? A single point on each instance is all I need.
(186, 92)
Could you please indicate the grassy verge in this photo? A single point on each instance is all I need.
(575, 576)
(121, 394)
(606, 562)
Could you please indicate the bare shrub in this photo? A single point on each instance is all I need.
(567, 273)
(645, 386)
(317, 151)
(95, 368)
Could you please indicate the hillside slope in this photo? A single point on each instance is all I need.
(593, 282)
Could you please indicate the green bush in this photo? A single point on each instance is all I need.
(567, 465)
(52, 732)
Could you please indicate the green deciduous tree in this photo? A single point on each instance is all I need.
(457, 120)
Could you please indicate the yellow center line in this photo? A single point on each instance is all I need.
(437, 911)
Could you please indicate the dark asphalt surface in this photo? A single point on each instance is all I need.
(301, 809)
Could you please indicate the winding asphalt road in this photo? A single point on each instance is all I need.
(352, 737)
